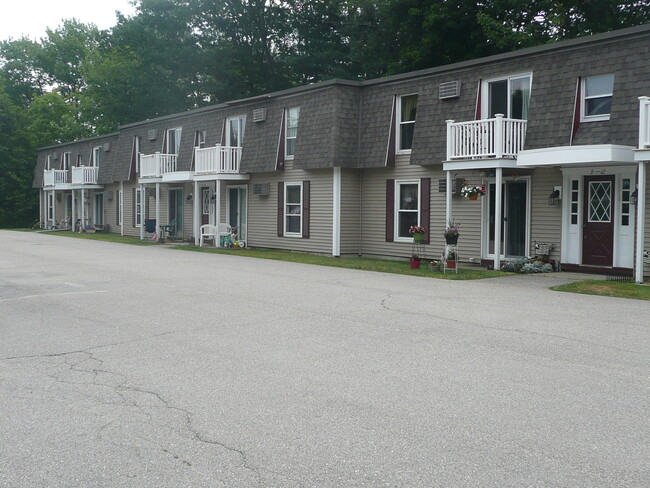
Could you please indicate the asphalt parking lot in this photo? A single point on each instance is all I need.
(128, 366)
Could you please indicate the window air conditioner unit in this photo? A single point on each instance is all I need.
(261, 189)
(449, 89)
(153, 134)
(259, 115)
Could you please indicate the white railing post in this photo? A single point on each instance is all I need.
(498, 136)
(450, 144)
(644, 122)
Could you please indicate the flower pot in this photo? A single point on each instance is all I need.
(473, 197)
(418, 237)
(451, 264)
(415, 264)
(451, 240)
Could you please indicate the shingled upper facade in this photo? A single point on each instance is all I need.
(557, 136)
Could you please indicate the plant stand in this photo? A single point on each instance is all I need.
(447, 262)
(419, 250)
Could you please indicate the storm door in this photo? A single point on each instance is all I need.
(514, 217)
(598, 221)
(176, 211)
(237, 210)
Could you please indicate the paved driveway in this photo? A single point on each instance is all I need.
(148, 367)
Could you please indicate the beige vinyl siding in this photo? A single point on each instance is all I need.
(646, 267)
(110, 207)
(546, 220)
(262, 211)
(127, 195)
(350, 212)
(373, 213)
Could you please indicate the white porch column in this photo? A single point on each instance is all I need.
(497, 219)
(640, 220)
(142, 209)
(73, 225)
(40, 206)
(197, 200)
(336, 212)
(448, 209)
(83, 209)
(158, 209)
(217, 192)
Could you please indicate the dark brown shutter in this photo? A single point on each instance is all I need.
(279, 161)
(390, 210)
(392, 135)
(62, 160)
(425, 208)
(135, 203)
(222, 141)
(280, 208)
(305, 209)
(577, 110)
(134, 158)
(477, 110)
(164, 142)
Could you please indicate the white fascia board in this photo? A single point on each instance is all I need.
(85, 187)
(576, 155)
(222, 176)
(478, 164)
(177, 177)
(642, 154)
(146, 181)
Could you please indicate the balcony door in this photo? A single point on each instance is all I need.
(509, 96)
(99, 209)
(176, 210)
(235, 131)
(514, 218)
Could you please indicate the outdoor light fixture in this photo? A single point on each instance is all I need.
(188, 199)
(554, 197)
(634, 197)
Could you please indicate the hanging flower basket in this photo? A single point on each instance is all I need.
(472, 192)
(451, 233)
(417, 232)
(451, 239)
(418, 237)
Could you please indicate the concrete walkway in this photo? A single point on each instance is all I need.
(128, 366)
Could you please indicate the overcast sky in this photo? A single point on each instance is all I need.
(32, 17)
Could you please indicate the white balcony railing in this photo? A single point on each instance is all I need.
(644, 122)
(218, 159)
(156, 165)
(52, 177)
(484, 139)
(85, 175)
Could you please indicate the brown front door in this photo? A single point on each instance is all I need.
(598, 221)
(205, 205)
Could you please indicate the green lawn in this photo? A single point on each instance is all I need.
(102, 236)
(466, 272)
(607, 288)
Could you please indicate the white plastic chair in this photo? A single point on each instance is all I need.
(208, 231)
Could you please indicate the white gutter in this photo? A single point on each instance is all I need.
(336, 212)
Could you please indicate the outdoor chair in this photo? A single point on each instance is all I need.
(225, 233)
(168, 230)
(209, 231)
(150, 228)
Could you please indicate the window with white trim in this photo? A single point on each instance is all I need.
(597, 94)
(96, 156)
(137, 144)
(407, 108)
(78, 160)
(173, 140)
(200, 139)
(120, 208)
(235, 127)
(625, 201)
(509, 96)
(293, 115)
(407, 208)
(48, 162)
(293, 209)
(66, 160)
(138, 207)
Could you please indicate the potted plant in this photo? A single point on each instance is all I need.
(417, 232)
(415, 261)
(451, 259)
(472, 192)
(436, 265)
(451, 233)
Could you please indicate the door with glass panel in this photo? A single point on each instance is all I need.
(237, 210)
(514, 218)
(598, 221)
(176, 211)
(508, 96)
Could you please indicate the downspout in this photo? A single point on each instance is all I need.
(497, 219)
(198, 199)
(640, 220)
(336, 212)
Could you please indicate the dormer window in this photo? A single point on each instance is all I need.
(48, 162)
(407, 108)
(235, 131)
(292, 114)
(173, 140)
(66, 160)
(597, 94)
(96, 156)
(509, 96)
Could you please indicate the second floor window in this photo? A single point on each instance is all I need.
(48, 162)
(292, 114)
(235, 131)
(407, 109)
(597, 97)
(78, 160)
(508, 96)
(96, 156)
(173, 140)
(200, 138)
(66, 160)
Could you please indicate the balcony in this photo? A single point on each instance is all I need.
(497, 138)
(85, 175)
(53, 177)
(156, 165)
(218, 159)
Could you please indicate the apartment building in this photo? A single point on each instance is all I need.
(557, 136)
